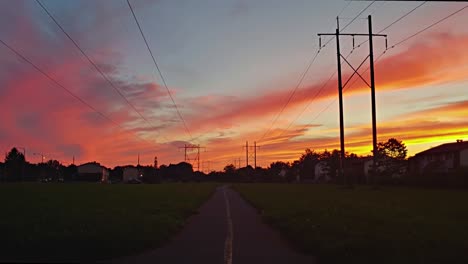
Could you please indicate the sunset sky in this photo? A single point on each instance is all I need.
(230, 66)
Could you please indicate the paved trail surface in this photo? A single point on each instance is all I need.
(226, 230)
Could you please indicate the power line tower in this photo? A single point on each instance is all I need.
(188, 148)
(206, 168)
(340, 57)
(237, 163)
(246, 154)
(255, 147)
(251, 154)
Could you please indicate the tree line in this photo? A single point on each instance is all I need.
(311, 166)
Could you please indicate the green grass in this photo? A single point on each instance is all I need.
(364, 225)
(87, 222)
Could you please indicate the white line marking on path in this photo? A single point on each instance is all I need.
(228, 241)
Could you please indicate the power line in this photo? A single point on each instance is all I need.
(305, 72)
(17, 53)
(393, 46)
(360, 13)
(301, 79)
(396, 21)
(309, 103)
(430, 26)
(376, 62)
(158, 69)
(352, 20)
(339, 14)
(55, 82)
(92, 62)
(402, 17)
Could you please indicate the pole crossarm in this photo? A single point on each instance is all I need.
(370, 57)
(351, 34)
(455, 1)
(189, 148)
(355, 71)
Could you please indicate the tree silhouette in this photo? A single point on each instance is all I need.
(391, 156)
(230, 169)
(393, 148)
(14, 164)
(307, 161)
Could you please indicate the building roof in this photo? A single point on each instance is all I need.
(444, 148)
(93, 163)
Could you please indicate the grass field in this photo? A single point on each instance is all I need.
(364, 225)
(85, 222)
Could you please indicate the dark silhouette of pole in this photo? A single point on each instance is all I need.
(372, 86)
(455, 1)
(193, 160)
(198, 157)
(255, 147)
(246, 154)
(40, 154)
(340, 97)
(341, 86)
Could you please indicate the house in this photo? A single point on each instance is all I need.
(441, 159)
(92, 171)
(321, 172)
(130, 173)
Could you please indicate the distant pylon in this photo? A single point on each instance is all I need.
(196, 160)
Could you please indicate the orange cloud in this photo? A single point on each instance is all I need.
(411, 68)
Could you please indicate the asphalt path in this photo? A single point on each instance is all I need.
(226, 230)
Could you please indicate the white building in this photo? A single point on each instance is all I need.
(441, 159)
(92, 171)
(130, 173)
(321, 173)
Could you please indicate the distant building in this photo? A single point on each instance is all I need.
(321, 173)
(441, 159)
(130, 173)
(92, 171)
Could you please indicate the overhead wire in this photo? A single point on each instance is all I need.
(326, 82)
(68, 91)
(97, 68)
(430, 26)
(394, 22)
(55, 82)
(360, 13)
(301, 79)
(82, 101)
(352, 20)
(376, 61)
(159, 70)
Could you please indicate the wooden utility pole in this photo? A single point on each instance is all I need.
(341, 86)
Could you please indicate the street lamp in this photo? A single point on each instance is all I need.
(40, 154)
